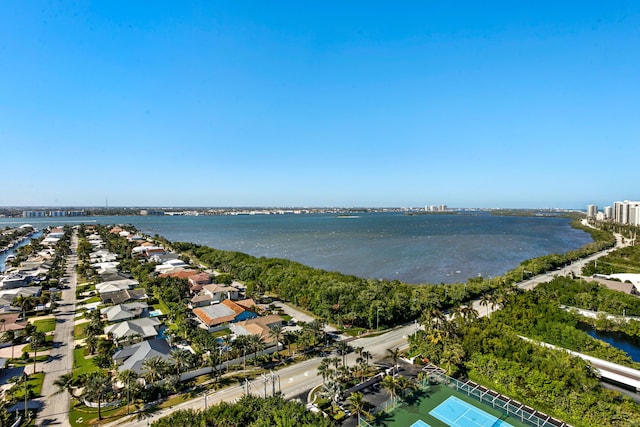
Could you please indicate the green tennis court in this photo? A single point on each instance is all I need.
(416, 411)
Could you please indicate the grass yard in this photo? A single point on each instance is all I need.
(78, 330)
(81, 364)
(45, 325)
(34, 384)
(80, 415)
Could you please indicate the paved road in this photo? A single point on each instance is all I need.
(56, 406)
(291, 381)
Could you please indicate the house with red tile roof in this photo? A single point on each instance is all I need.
(260, 326)
(216, 315)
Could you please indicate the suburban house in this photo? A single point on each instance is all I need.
(120, 312)
(123, 296)
(15, 280)
(132, 357)
(197, 281)
(260, 326)
(107, 288)
(178, 274)
(213, 293)
(143, 328)
(171, 265)
(213, 316)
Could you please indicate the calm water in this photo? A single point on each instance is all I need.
(618, 341)
(413, 249)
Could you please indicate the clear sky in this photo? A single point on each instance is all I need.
(345, 103)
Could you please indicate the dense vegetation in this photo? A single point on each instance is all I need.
(491, 351)
(249, 411)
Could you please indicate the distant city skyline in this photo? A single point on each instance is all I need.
(328, 104)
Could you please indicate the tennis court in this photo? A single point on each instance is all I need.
(420, 423)
(458, 413)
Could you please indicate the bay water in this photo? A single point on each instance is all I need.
(444, 248)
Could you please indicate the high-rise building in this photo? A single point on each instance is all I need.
(626, 212)
(592, 211)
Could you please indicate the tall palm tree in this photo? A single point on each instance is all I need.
(227, 340)
(25, 303)
(256, 344)
(395, 356)
(358, 405)
(485, 300)
(343, 348)
(390, 384)
(97, 386)
(276, 332)
(453, 354)
(37, 340)
(324, 369)
(242, 345)
(129, 379)
(403, 384)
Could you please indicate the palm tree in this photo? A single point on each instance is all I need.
(403, 384)
(485, 300)
(452, 354)
(276, 332)
(394, 355)
(180, 359)
(256, 344)
(97, 386)
(129, 379)
(91, 344)
(37, 340)
(343, 348)
(390, 384)
(24, 302)
(65, 382)
(227, 340)
(289, 337)
(242, 344)
(324, 369)
(154, 369)
(358, 405)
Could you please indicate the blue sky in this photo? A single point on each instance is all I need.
(361, 103)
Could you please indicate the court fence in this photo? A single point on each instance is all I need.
(510, 407)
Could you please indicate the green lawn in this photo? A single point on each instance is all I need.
(47, 345)
(34, 384)
(82, 364)
(78, 331)
(80, 415)
(45, 325)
